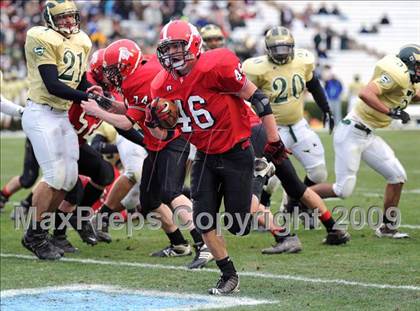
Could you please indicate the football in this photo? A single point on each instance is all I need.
(168, 113)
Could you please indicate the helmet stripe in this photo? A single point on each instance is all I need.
(139, 57)
(165, 31)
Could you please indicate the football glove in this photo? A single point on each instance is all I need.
(103, 102)
(399, 114)
(328, 117)
(152, 120)
(276, 152)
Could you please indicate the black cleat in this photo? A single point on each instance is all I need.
(62, 243)
(173, 251)
(40, 245)
(337, 237)
(103, 233)
(226, 285)
(87, 233)
(202, 257)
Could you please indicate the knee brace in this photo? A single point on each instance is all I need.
(104, 175)
(317, 174)
(345, 189)
(28, 178)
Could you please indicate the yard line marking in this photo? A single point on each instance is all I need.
(211, 302)
(250, 274)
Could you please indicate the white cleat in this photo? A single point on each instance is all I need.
(384, 232)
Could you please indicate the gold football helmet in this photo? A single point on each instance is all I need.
(55, 14)
(280, 45)
(212, 36)
(410, 56)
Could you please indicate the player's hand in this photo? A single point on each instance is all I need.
(276, 152)
(91, 107)
(103, 102)
(399, 114)
(96, 89)
(152, 120)
(328, 117)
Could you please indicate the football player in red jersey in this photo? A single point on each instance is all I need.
(164, 169)
(209, 90)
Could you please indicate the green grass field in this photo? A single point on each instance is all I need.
(295, 281)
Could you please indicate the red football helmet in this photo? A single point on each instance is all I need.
(121, 59)
(96, 65)
(179, 42)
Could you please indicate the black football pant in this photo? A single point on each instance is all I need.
(163, 175)
(228, 176)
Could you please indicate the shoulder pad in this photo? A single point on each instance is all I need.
(84, 39)
(45, 34)
(214, 58)
(304, 56)
(158, 81)
(394, 67)
(256, 66)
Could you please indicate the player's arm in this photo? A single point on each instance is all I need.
(262, 107)
(315, 88)
(49, 75)
(370, 95)
(100, 144)
(10, 108)
(274, 150)
(122, 123)
(117, 120)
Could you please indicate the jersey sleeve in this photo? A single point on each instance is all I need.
(251, 74)
(308, 62)
(41, 51)
(134, 113)
(385, 82)
(229, 74)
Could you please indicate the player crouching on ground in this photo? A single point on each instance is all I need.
(385, 97)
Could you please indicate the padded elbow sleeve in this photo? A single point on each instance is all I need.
(261, 103)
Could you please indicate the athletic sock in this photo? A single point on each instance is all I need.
(258, 183)
(90, 195)
(226, 267)
(59, 216)
(35, 230)
(279, 234)
(29, 198)
(265, 199)
(107, 211)
(327, 221)
(176, 237)
(198, 240)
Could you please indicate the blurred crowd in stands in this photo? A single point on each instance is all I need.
(141, 20)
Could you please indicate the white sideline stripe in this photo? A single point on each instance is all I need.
(250, 274)
(215, 301)
(410, 226)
